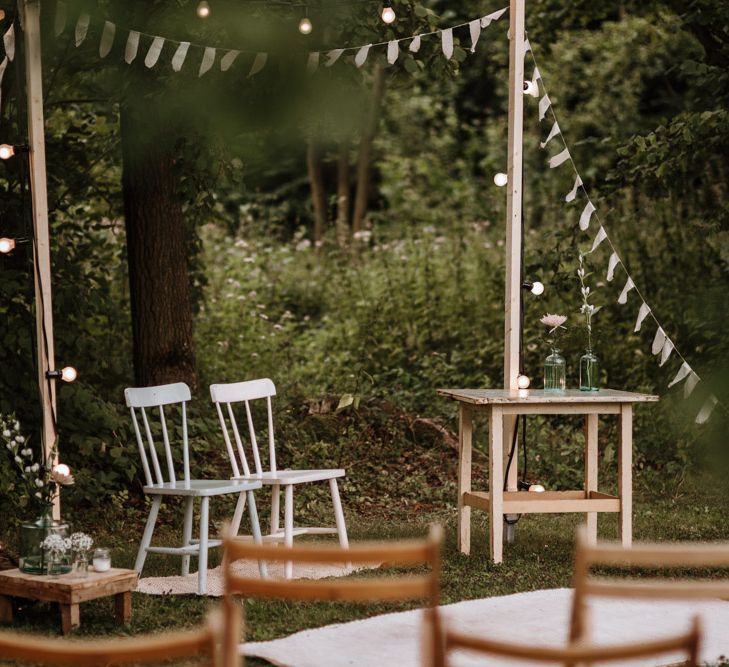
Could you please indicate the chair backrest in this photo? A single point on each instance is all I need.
(578, 653)
(205, 641)
(225, 396)
(371, 589)
(138, 399)
(646, 556)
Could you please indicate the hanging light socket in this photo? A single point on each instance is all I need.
(531, 88)
(203, 9)
(8, 150)
(501, 179)
(305, 25)
(536, 288)
(67, 374)
(388, 13)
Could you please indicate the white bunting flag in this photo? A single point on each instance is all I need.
(82, 27)
(683, 373)
(130, 51)
(691, 381)
(612, 264)
(107, 39)
(180, 54)
(493, 16)
(543, 106)
(313, 62)
(446, 42)
(393, 51)
(586, 215)
(155, 48)
(333, 56)
(362, 54)
(527, 46)
(623, 298)
(536, 76)
(658, 340)
(3, 66)
(559, 159)
(706, 411)
(642, 314)
(599, 238)
(226, 62)
(9, 42)
(208, 60)
(573, 192)
(474, 28)
(258, 64)
(666, 350)
(59, 21)
(414, 44)
(552, 134)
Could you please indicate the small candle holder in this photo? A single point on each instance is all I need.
(102, 560)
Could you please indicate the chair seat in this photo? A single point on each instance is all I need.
(203, 487)
(285, 477)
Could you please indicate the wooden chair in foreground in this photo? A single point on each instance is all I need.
(652, 556)
(205, 642)
(580, 653)
(380, 589)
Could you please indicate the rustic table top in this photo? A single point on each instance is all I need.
(539, 396)
(15, 581)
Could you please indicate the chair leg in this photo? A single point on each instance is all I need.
(289, 527)
(238, 514)
(202, 572)
(187, 534)
(275, 507)
(147, 536)
(256, 530)
(339, 514)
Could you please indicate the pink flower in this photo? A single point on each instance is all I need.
(553, 321)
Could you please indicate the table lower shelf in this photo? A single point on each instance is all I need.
(548, 502)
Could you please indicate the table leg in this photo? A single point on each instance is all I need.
(70, 617)
(625, 472)
(591, 460)
(465, 445)
(496, 483)
(6, 609)
(123, 607)
(512, 481)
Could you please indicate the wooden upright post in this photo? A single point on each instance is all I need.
(39, 197)
(513, 280)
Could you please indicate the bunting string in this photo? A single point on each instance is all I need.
(662, 347)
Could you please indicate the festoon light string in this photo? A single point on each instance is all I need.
(109, 31)
(662, 345)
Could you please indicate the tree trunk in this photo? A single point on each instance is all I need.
(159, 285)
(343, 193)
(365, 149)
(316, 183)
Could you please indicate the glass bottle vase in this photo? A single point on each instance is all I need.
(555, 372)
(589, 372)
(32, 557)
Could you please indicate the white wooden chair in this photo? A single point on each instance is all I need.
(224, 396)
(138, 399)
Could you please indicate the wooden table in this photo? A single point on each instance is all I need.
(69, 591)
(501, 405)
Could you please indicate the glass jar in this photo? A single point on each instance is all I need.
(81, 565)
(102, 560)
(589, 372)
(32, 557)
(555, 372)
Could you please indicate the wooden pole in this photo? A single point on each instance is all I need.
(41, 252)
(513, 278)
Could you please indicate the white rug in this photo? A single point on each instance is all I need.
(538, 617)
(187, 585)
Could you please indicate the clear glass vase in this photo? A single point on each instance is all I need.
(589, 372)
(555, 372)
(81, 565)
(32, 557)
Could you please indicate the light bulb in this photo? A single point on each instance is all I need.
(388, 13)
(203, 9)
(62, 469)
(536, 488)
(6, 151)
(7, 245)
(523, 381)
(69, 374)
(305, 26)
(501, 179)
(537, 288)
(531, 88)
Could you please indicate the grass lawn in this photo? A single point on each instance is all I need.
(540, 558)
